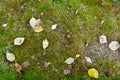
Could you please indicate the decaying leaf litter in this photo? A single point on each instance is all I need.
(101, 48)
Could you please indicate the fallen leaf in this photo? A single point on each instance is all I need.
(77, 55)
(105, 4)
(68, 36)
(36, 24)
(18, 67)
(102, 39)
(66, 72)
(54, 27)
(70, 66)
(114, 45)
(39, 29)
(26, 64)
(5, 25)
(119, 23)
(45, 44)
(69, 60)
(109, 72)
(10, 57)
(93, 73)
(88, 59)
(18, 41)
(32, 57)
(46, 64)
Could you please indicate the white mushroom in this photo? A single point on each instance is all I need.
(114, 45)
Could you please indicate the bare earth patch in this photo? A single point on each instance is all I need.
(97, 50)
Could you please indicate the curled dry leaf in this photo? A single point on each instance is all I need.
(69, 66)
(109, 72)
(88, 59)
(102, 39)
(93, 73)
(46, 64)
(18, 41)
(18, 67)
(36, 24)
(69, 60)
(105, 4)
(66, 72)
(10, 57)
(54, 26)
(114, 45)
(26, 64)
(45, 44)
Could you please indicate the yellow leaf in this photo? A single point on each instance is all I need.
(77, 55)
(93, 73)
(38, 29)
(16, 64)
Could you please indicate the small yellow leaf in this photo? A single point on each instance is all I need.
(77, 55)
(36, 24)
(38, 29)
(18, 67)
(93, 73)
(16, 64)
